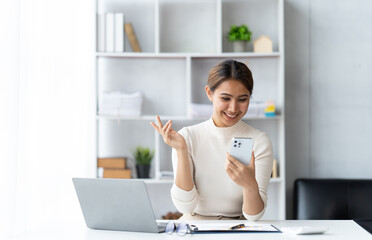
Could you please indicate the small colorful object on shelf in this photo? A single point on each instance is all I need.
(270, 109)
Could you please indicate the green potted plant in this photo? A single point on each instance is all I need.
(239, 36)
(143, 157)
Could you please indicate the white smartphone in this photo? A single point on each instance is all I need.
(241, 149)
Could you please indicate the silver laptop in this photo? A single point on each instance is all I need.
(116, 204)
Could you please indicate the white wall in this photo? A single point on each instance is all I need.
(328, 84)
(47, 117)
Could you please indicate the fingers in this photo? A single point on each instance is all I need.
(230, 166)
(233, 161)
(167, 129)
(230, 173)
(241, 174)
(253, 160)
(155, 126)
(159, 121)
(160, 128)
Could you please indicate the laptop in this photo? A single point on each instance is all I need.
(116, 204)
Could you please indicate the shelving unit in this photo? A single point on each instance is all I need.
(181, 40)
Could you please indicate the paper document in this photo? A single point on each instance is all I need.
(222, 227)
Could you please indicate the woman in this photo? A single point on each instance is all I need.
(209, 182)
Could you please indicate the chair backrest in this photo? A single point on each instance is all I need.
(333, 199)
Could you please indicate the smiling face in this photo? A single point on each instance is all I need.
(230, 102)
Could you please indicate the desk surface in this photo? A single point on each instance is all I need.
(338, 230)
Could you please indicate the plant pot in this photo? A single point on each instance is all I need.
(143, 171)
(239, 46)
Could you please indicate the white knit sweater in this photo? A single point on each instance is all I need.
(214, 193)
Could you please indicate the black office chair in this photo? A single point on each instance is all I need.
(334, 199)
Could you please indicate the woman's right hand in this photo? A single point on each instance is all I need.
(170, 136)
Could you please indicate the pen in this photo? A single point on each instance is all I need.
(237, 226)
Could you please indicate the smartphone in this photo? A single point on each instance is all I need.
(241, 149)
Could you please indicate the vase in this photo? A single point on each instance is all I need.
(240, 46)
(143, 171)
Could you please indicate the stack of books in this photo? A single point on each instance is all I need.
(110, 33)
(113, 168)
(120, 104)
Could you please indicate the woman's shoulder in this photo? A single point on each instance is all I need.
(199, 128)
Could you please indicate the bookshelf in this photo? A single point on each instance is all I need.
(180, 41)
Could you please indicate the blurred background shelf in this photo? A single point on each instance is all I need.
(180, 41)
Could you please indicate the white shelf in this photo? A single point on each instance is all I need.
(140, 55)
(237, 55)
(185, 55)
(147, 117)
(276, 180)
(181, 40)
(180, 118)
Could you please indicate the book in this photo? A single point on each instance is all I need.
(111, 163)
(110, 31)
(132, 37)
(101, 32)
(274, 173)
(116, 173)
(119, 32)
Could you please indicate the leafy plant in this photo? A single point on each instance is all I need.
(239, 33)
(143, 155)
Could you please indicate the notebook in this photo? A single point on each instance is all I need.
(231, 227)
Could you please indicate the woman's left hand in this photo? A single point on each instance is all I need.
(241, 174)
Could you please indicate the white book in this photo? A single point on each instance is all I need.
(110, 32)
(101, 34)
(119, 32)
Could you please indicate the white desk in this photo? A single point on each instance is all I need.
(338, 230)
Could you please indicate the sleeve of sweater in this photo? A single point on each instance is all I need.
(264, 161)
(184, 201)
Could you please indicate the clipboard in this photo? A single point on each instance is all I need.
(226, 228)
